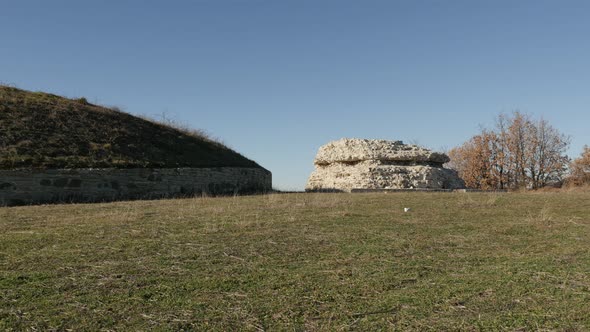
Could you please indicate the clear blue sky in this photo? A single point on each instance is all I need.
(276, 79)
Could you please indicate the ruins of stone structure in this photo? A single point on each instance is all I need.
(54, 149)
(348, 164)
(29, 186)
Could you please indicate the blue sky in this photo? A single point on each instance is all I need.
(277, 79)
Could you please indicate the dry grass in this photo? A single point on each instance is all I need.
(476, 261)
(47, 131)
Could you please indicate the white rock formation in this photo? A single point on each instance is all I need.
(348, 164)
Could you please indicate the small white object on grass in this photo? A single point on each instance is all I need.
(406, 209)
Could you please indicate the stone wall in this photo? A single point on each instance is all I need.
(19, 187)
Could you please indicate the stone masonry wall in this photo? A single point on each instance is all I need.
(18, 187)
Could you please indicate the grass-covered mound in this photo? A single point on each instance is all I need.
(41, 130)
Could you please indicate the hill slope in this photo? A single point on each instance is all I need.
(42, 130)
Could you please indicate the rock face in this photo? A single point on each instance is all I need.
(348, 164)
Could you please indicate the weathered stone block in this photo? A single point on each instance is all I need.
(349, 164)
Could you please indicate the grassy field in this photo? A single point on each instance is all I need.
(476, 261)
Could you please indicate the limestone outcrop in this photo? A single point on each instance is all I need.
(348, 164)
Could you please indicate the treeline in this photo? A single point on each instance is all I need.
(519, 152)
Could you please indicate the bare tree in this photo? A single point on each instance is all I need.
(547, 161)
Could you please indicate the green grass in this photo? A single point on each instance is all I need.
(477, 261)
(41, 130)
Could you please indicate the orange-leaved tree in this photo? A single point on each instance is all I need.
(580, 169)
(520, 152)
